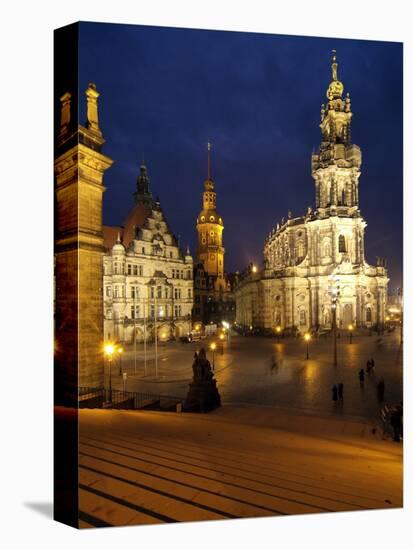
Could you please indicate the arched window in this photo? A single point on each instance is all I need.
(327, 249)
(368, 315)
(302, 317)
(341, 243)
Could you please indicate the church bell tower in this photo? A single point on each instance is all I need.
(210, 227)
(336, 164)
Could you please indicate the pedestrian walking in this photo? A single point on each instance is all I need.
(340, 390)
(335, 392)
(368, 366)
(372, 363)
(361, 376)
(380, 390)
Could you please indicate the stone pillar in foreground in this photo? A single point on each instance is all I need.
(79, 169)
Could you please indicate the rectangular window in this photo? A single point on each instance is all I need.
(189, 293)
(135, 269)
(159, 292)
(143, 250)
(115, 268)
(152, 310)
(134, 292)
(116, 291)
(108, 291)
(140, 273)
(173, 274)
(129, 269)
(152, 292)
(135, 312)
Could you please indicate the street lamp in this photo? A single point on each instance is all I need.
(351, 328)
(307, 338)
(120, 351)
(254, 269)
(400, 295)
(213, 347)
(278, 330)
(334, 292)
(109, 351)
(221, 337)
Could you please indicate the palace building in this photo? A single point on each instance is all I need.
(214, 300)
(315, 263)
(148, 279)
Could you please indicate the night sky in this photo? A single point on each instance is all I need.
(165, 92)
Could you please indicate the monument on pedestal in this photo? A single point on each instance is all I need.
(203, 393)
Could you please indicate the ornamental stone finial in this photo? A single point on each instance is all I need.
(92, 119)
(65, 112)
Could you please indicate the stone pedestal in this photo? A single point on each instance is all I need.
(203, 395)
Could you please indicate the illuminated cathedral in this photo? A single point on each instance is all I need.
(317, 260)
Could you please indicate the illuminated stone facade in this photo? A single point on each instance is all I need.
(79, 169)
(308, 258)
(148, 279)
(214, 300)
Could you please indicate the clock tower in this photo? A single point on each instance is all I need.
(210, 227)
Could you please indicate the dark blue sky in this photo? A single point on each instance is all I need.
(257, 97)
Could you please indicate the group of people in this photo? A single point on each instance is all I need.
(369, 368)
(337, 389)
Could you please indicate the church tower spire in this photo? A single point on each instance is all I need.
(143, 193)
(336, 164)
(210, 227)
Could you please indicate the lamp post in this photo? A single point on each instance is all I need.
(120, 351)
(213, 347)
(278, 330)
(307, 338)
(221, 337)
(400, 294)
(334, 292)
(350, 328)
(109, 351)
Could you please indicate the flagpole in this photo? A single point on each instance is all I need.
(134, 318)
(144, 334)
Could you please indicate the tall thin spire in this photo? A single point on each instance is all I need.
(209, 160)
(334, 65)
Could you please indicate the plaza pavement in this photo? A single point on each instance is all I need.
(144, 467)
(244, 375)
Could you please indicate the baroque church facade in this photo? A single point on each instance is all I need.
(214, 299)
(147, 277)
(316, 262)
